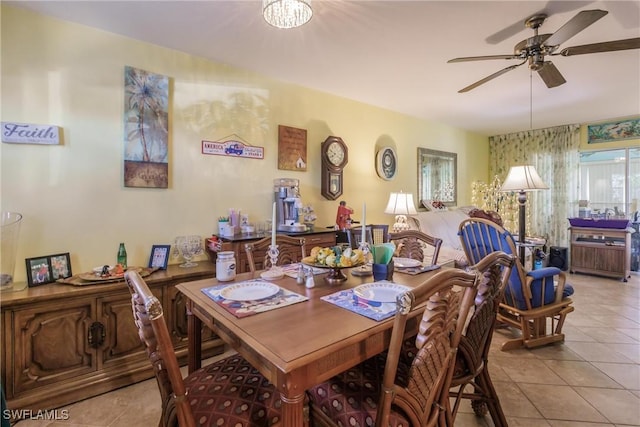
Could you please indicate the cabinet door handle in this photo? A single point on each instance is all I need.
(95, 334)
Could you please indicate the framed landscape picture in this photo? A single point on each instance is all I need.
(613, 131)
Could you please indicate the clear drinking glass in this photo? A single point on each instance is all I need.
(9, 244)
(189, 247)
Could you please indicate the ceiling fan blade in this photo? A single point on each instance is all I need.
(482, 58)
(576, 24)
(491, 77)
(551, 8)
(601, 47)
(550, 75)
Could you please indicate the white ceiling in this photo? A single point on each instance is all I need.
(393, 54)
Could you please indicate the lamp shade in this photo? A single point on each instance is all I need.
(523, 178)
(286, 13)
(400, 204)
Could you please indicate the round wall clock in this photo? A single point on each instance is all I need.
(386, 163)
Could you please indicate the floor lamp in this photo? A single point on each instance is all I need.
(523, 179)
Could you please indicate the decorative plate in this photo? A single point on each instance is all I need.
(406, 262)
(250, 290)
(93, 277)
(382, 291)
(386, 163)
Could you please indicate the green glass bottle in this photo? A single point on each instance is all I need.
(122, 256)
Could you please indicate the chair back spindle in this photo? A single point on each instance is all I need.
(290, 250)
(416, 245)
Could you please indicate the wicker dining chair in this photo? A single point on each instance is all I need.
(290, 250)
(471, 379)
(227, 392)
(379, 233)
(413, 391)
(416, 245)
(354, 236)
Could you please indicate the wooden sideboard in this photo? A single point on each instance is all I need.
(601, 251)
(324, 238)
(64, 343)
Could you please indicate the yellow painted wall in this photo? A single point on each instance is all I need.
(72, 195)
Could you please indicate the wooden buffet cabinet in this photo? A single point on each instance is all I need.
(63, 343)
(601, 251)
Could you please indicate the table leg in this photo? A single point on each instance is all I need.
(194, 336)
(293, 411)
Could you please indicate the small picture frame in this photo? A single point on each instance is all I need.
(159, 256)
(48, 269)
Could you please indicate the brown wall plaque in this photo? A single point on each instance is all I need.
(292, 148)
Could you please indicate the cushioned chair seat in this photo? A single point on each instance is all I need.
(351, 398)
(230, 392)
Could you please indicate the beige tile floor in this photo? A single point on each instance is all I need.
(592, 380)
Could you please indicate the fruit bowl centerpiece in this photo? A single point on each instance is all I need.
(335, 259)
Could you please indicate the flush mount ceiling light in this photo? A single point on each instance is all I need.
(286, 13)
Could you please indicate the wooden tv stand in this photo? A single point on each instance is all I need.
(601, 251)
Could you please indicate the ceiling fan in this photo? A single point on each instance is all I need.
(534, 49)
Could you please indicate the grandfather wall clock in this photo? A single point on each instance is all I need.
(334, 158)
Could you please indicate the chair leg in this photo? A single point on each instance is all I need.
(457, 396)
(512, 344)
(491, 398)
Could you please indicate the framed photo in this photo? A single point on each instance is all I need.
(386, 163)
(159, 256)
(48, 269)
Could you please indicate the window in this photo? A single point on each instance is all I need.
(610, 182)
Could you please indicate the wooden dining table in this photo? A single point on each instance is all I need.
(297, 346)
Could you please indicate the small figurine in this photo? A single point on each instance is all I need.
(343, 217)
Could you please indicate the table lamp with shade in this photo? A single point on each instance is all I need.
(523, 179)
(400, 205)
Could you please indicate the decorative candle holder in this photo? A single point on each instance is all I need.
(274, 272)
(364, 247)
(365, 269)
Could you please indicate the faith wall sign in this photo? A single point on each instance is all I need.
(26, 133)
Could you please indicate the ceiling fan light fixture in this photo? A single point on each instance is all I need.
(534, 49)
(286, 13)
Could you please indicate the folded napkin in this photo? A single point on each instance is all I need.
(417, 270)
(241, 309)
(347, 299)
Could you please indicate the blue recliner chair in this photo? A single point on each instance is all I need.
(536, 302)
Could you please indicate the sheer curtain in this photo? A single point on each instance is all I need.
(554, 153)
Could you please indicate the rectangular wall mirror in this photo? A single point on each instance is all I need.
(437, 172)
